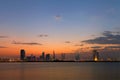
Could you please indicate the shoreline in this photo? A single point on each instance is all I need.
(59, 61)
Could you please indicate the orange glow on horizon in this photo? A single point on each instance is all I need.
(96, 59)
(14, 49)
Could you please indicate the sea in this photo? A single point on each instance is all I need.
(60, 71)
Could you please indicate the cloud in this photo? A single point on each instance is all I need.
(43, 35)
(93, 35)
(67, 42)
(58, 17)
(107, 37)
(107, 33)
(26, 43)
(3, 47)
(96, 47)
(3, 36)
(79, 44)
(117, 47)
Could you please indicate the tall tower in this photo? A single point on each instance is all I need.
(43, 56)
(95, 55)
(47, 57)
(53, 55)
(22, 54)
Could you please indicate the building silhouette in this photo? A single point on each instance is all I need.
(43, 56)
(77, 57)
(22, 54)
(31, 58)
(95, 55)
(54, 55)
(47, 57)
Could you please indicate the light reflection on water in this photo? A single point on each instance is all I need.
(60, 71)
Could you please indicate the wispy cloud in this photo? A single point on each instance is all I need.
(43, 35)
(96, 47)
(26, 43)
(3, 36)
(67, 42)
(79, 44)
(117, 47)
(58, 17)
(108, 37)
(3, 47)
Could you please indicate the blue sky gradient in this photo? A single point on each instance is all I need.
(61, 20)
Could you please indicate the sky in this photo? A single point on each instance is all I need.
(65, 26)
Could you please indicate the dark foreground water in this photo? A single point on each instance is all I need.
(60, 71)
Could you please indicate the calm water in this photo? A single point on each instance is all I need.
(60, 71)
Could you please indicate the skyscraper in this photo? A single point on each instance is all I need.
(77, 57)
(53, 55)
(47, 57)
(43, 56)
(95, 55)
(22, 54)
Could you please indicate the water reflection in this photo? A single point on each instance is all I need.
(60, 71)
(106, 71)
(22, 71)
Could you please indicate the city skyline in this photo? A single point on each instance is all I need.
(95, 56)
(62, 26)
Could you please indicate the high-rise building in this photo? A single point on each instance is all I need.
(77, 57)
(54, 55)
(43, 56)
(22, 54)
(47, 57)
(95, 55)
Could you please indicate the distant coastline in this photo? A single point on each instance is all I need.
(58, 61)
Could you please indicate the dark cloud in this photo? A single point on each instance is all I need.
(107, 33)
(43, 35)
(57, 17)
(107, 37)
(46, 35)
(96, 47)
(117, 47)
(3, 47)
(3, 36)
(79, 44)
(67, 42)
(26, 43)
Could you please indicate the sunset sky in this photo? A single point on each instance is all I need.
(65, 26)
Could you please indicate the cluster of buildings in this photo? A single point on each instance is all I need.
(42, 57)
(51, 57)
